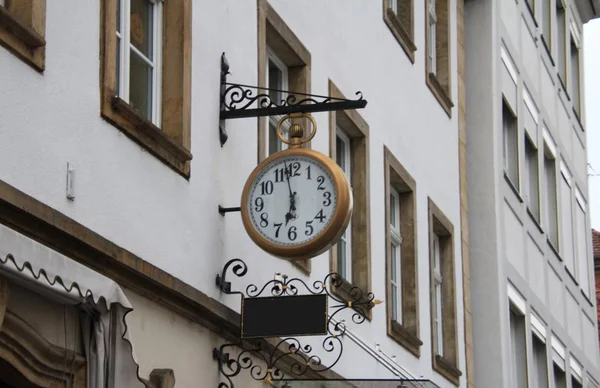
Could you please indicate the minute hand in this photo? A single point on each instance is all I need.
(289, 216)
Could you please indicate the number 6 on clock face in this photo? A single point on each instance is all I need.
(296, 204)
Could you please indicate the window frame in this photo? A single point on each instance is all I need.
(439, 80)
(566, 205)
(401, 29)
(23, 31)
(357, 130)
(398, 180)
(275, 35)
(551, 225)
(532, 200)
(574, 77)
(395, 248)
(171, 141)
(513, 181)
(125, 48)
(272, 57)
(446, 364)
(562, 60)
(347, 235)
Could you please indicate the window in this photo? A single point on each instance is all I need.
(518, 348)
(532, 194)
(284, 64)
(510, 145)
(398, 16)
(344, 247)
(566, 242)
(438, 343)
(139, 45)
(442, 295)
(431, 49)
(531, 7)
(349, 147)
(560, 377)
(438, 52)
(146, 73)
(575, 80)
(23, 30)
(561, 27)
(277, 78)
(550, 199)
(547, 25)
(395, 255)
(401, 255)
(540, 362)
(582, 247)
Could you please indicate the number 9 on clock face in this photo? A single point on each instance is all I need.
(296, 203)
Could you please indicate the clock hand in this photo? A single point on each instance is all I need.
(290, 215)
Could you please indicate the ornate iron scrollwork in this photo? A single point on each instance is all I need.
(238, 101)
(300, 358)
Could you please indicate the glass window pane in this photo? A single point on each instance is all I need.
(394, 259)
(340, 156)
(274, 142)
(118, 15)
(394, 302)
(393, 210)
(118, 88)
(141, 26)
(275, 82)
(140, 86)
(341, 258)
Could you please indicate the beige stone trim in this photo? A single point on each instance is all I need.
(357, 130)
(172, 141)
(401, 25)
(23, 31)
(464, 212)
(440, 81)
(406, 333)
(447, 363)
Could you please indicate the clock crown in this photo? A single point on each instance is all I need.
(296, 133)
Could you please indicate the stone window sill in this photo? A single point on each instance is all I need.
(440, 93)
(402, 36)
(149, 136)
(512, 186)
(535, 220)
(22, 40)
(447, 369)
(405, 337)
(345, 292)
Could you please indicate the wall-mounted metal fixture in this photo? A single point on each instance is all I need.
(267, 339)
(70, 188)
(238, 101)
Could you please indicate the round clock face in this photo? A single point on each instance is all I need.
(292, 200)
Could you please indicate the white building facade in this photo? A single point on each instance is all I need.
(111, 174)
(532, 276)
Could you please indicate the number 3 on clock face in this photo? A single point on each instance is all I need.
(295, 205)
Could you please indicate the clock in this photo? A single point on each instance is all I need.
(296, 203)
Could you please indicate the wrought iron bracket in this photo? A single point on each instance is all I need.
(263, 357)
(238, 101)
(223, 210)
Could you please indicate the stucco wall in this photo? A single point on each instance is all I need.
(128, 196)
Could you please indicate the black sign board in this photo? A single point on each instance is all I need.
(282, 316)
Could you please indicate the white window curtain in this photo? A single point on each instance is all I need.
(110, 356)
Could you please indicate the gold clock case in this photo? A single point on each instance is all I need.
(328, 236)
